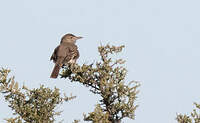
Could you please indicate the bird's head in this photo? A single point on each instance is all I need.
(70, 38)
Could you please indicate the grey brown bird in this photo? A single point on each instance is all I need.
(65, 53)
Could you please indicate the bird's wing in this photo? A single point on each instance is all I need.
(64, 53)
(54, 56)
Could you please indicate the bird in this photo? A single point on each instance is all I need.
(65, 53)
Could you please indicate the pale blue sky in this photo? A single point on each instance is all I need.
(162, 49)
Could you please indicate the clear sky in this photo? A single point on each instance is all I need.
(162, 49)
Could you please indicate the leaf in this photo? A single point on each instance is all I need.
(16, 86)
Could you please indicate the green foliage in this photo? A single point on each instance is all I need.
(193, 118)
(30, 105)
(98, 116)
(107, 79)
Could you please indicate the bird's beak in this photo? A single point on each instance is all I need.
(78, 38)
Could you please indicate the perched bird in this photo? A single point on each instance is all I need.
(65, 53)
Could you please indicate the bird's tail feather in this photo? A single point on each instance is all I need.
(55, 71)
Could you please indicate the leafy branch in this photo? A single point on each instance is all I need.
(107, 79)
(30, 105)
(193, 117)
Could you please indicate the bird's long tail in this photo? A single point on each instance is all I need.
(55, 71)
